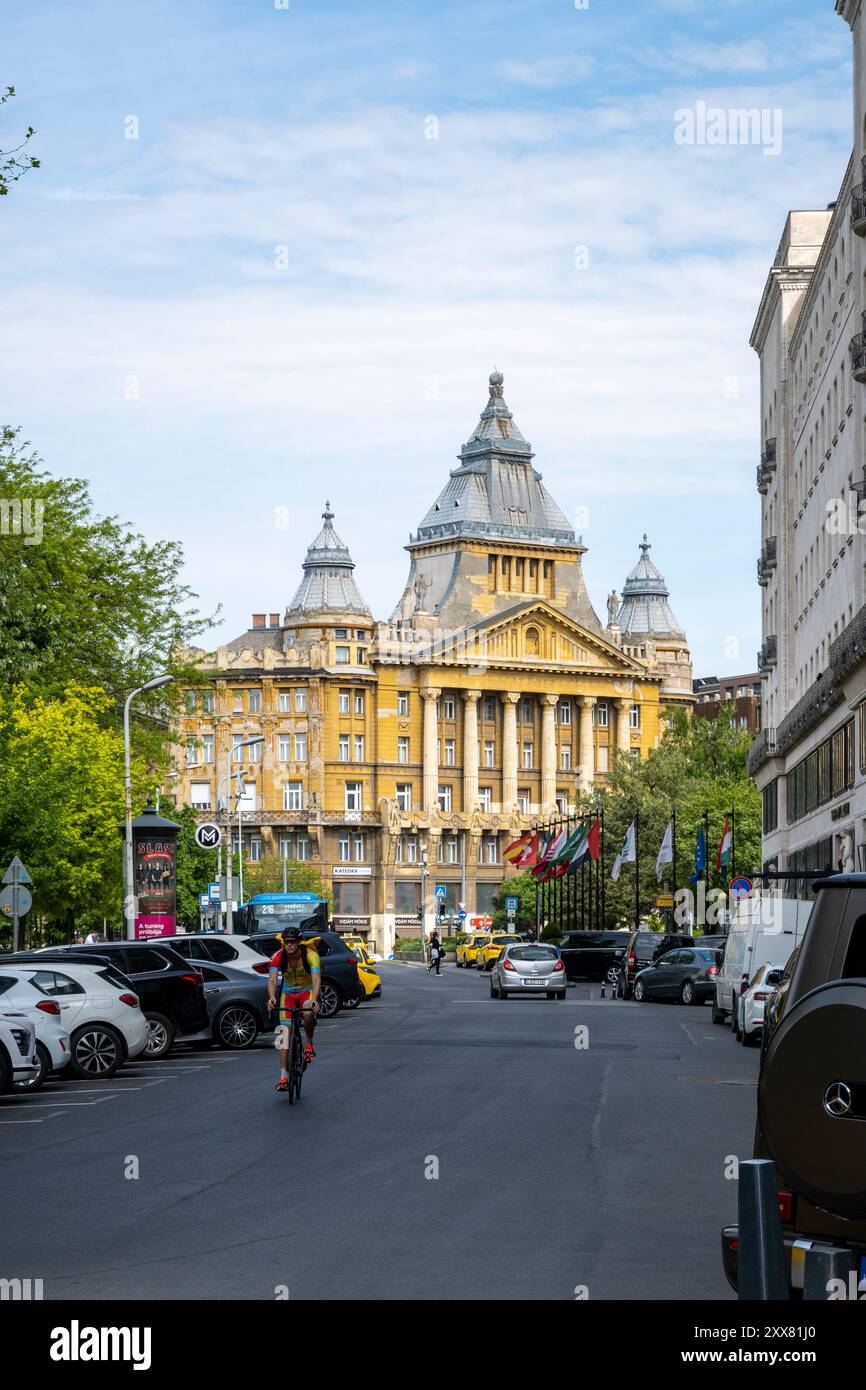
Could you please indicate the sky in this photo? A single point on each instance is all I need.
(274, 251)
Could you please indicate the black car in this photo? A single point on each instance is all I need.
(341, 985)
(594, 955)
(688, 974)
(237, 1003)
(169, 989)
(643, 948)
(775, 1005)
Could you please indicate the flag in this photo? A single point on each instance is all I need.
(589, 846)
(700, 855)
(593, 840)
(626, 853)
(723, 858)
(528, 856)
(666, 851)
(513, 851)
(551, 850)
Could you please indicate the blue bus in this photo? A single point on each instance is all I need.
(268, 913)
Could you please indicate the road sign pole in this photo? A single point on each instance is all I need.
(15, 911)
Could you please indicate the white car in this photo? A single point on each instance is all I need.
(751, 1004)
(53, 1050)
(17, 1049)
(98, 1009)
(218, 948)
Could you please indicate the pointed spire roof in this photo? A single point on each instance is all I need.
(496, 493)
(328, 584)
(644, 610)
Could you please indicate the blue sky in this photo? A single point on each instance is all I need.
(284, 290)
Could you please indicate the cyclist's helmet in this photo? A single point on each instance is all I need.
(289, 934)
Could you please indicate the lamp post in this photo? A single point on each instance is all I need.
(129, 896)
(230, 752)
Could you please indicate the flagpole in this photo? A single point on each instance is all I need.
(707, 868)
(636, 871)
(601, 860)
(732, 871)
(674, 850)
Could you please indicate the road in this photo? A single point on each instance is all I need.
(600, 1167)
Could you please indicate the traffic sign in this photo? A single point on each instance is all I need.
(16, 873)
(213, 892)
(208, 835)
(440, 890)
(741, 887)
(511, 905)
(203, 901)
(7, 900)
(461, 915)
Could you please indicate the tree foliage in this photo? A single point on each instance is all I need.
(266, 876)
(15, 162)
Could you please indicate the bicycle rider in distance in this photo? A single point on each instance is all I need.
(301, 970)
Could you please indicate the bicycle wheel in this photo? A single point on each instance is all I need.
(296, 1064)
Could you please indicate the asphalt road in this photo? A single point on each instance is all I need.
(558, 1166)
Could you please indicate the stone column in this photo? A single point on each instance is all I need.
(509, 750)
(470, 749)
(431, 763)
(623, 729)
(548, 750)
(587, 752)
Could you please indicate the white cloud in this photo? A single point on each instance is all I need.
(549, 72)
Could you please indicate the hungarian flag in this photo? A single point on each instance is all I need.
(551, 850)
(513, 851)
(528, 856)
(723, 858)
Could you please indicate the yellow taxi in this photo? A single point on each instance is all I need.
(492, 946)
(367, 972)
(467, 951)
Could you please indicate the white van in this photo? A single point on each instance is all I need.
(764, 929)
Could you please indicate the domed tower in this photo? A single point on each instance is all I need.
(327, 597)
(645, 626)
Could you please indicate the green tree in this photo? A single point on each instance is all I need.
(15, 162)
(521, 886)
(196, 867)
(266, 876)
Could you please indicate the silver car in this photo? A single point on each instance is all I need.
(528, 968)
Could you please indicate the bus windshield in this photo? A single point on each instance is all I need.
(269, 912)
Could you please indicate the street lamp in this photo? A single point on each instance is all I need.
(230, 752)
(129, 896)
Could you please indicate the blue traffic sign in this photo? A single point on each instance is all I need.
(203, 901)
(741, 887)
(461, 915)
(440, 890)
(213, 890)
(511, 904)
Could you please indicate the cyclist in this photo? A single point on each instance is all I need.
(301, 970)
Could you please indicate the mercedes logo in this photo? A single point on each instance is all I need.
(837, 1099)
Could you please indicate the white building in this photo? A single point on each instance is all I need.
(810, 758)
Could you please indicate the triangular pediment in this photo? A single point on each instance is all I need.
(533, 635)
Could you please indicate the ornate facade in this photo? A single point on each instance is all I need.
(403, 754)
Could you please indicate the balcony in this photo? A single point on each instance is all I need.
(768, 455)
(762, 478)
(763, 575)
(768, 554)
(763, 748)
(857, 349)
(768, 654)
(858, 204)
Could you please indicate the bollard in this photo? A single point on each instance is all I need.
(823, 1263)
(761, 1267)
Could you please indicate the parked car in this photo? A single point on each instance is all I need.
(98, 1006)
(688, 974)
(52, 1040)
(467, 951)
(488, 953)
(763, 928)
(169, 988)
(752, 1003)
(341, 983)
(237, 1003)
(217, 948)
(17, 1049)
(594, 955)
(644, 947)
(528, 968)
(811, 1109)
(775, 1006)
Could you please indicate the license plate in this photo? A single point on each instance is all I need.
(535, 982)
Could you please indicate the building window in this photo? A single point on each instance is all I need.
(341, 655)
(448, 849)
(600, 714)
(402, 750)
(565, 712)
(199, 793)
(449, 752)
(450, 711)
(343, 702)
(300, 702)
(407, 849)
(237, 751)
(526, 709)
(634, 717)
(192, 752)
(770, 810)
(341, 633)
(361, 656)
(565, 758)
(237, 702)
(255, 752)
(489, 752)
(358, 847)
(404, 796)
(293, 797)
(255, 848)
(485, 798)
(402, 703)
(284, 701)
(284, 748)
(523, 801)
(527, 755)
(343, 748)
(489, 707)
(359, 702)
(207, 748)
(189, 697)
(488, 849)
(444, 797)
(354, 794)
(208, 702)
(351, 898)
(344, 846)
(601, 759)
(255, 702)
(359, 748)
(562, 803)
(300, 748)
(302, 847)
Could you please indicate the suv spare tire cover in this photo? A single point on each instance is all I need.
(812, 1097)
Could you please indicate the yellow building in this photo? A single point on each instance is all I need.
(404, 754)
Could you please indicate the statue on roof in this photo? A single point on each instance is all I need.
(421, 585)
(612, 607)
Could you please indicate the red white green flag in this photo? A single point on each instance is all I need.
(723, 858)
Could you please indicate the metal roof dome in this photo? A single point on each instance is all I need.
(644, 610)
(328, 584)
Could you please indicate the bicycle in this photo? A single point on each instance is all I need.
(297, 1062)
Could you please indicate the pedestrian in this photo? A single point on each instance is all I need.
(434, 954)
(92, 938)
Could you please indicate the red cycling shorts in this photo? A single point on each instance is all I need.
(291, 1000)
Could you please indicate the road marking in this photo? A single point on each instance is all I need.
(40, 1121)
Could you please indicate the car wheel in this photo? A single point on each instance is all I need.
(612, 976)
(160, 1037)
(718, 1014)
(752, 1039)
(638, 991)
(688, 993)
(5, 1071)
(236, 1027)
(95, 1051)
(554, 994)
(494, 993)
(353, 1003)
(330, 1000)
(43, 1062)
